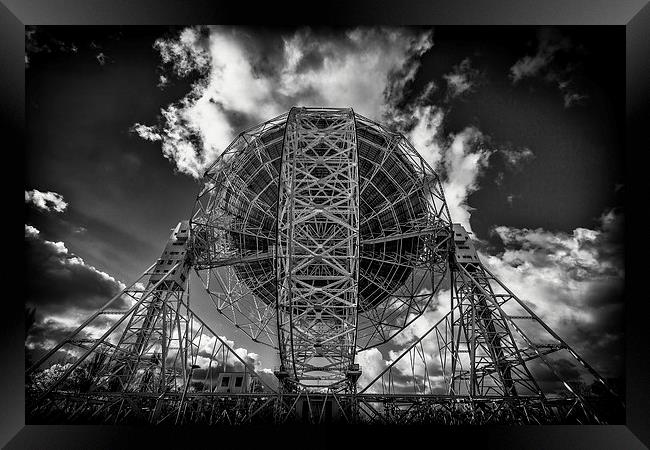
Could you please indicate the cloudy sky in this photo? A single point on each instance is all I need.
(524, 124)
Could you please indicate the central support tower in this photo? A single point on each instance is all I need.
(318, 246)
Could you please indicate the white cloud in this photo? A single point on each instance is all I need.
(372, 363)
(162, 81)
(438, 307)
(361, 68)
(464, 161)
(426, 134)
(47, 201)
(70, 320)
(462, 79)
(68, 259)
(31, 231)
(212, 349)
(459, 159)
(64, 290)
(549, 44)
(573, 281)
(185, 54)
(529, 66)
(146, 132)
(62, 268)
(368, 69)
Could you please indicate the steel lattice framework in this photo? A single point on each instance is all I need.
(318, 245)
(151, 345)
(320, 234)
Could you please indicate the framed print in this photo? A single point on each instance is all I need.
(305, 225)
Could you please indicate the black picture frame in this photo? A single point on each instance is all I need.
(634, 15)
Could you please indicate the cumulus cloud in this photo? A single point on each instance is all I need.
(62, 287)
(31, 232)
(372, 363)
(458, 158)
(426, 134)
(245, 79)
(186, 54)
(465, 160)
(552, 63)
(573, 281)
(213, 353)
(46, 201)
(147, 133)
(438, 307)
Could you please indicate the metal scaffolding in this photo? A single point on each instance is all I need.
(319, 234)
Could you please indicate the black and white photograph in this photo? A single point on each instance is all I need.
(359, 226)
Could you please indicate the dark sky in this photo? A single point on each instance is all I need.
(78, 144)
(86, 87)
(578, 151)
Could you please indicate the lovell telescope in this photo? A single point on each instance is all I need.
(320, 234)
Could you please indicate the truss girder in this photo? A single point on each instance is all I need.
(495, 363)
(317, 245)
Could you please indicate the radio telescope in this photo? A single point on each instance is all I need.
(332, 246)
(319, 233)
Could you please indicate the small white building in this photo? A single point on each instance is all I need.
(233, 382)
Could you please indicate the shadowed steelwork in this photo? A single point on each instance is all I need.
(320, 234)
